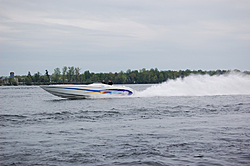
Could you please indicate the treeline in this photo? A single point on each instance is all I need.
(73, 75)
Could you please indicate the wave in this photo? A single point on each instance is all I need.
(201, 85)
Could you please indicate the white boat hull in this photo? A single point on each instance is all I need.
(86, 91)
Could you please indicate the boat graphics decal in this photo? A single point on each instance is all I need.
(105, 91)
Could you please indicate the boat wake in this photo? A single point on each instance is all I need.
(201, 85)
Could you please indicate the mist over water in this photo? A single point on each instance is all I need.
(201, 85)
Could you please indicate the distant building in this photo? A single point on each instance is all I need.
(15, 82)
(12, 75)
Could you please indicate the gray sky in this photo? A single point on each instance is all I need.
(115, 35)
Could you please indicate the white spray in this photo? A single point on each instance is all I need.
(201, 85)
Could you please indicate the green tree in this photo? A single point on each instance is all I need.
(120, 78)
(87, 75)
(11, 81)
(37, 77)
(56, 74)
(47, 77)
(128, 71)
(70, 73)
(64, 72)
(132, 77)
(161, 77)
(1, 80)
(77, 74)
(28, 80)
(187, 72)
(94, 78)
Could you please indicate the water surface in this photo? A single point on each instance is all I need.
(38, 128)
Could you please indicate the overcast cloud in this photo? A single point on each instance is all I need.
(115, 35)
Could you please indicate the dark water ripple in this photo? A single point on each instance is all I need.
(40, 129)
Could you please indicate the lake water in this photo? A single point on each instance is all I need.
(200, 120)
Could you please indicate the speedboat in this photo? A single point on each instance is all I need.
(86, 91)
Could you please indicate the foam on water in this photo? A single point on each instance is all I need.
(201, 85)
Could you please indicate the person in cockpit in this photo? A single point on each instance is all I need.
(110, 82)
